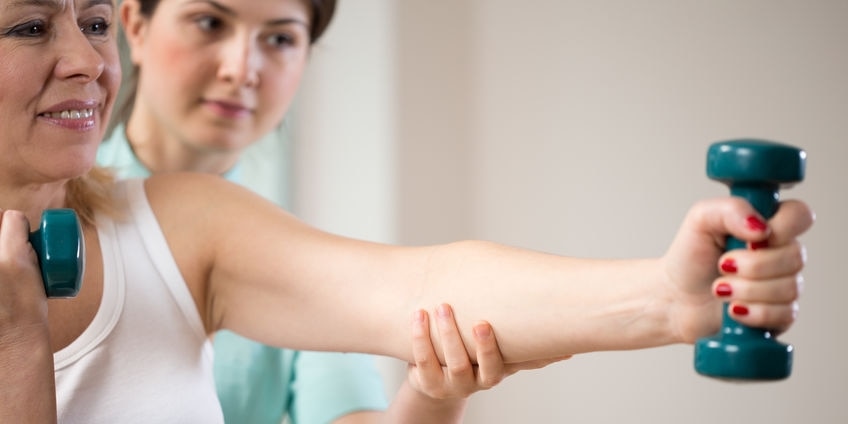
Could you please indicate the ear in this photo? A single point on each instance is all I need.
(135, 26)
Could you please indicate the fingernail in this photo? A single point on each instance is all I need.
(444, 311)
(739, 310)
(418, 323)
(756, 224)
(723, 290)
(759, 245)
(482, 331)
(729, 265)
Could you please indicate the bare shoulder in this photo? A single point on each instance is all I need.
(179, 186)
(190, 191)
(189, 200)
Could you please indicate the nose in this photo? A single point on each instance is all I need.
(239, 62)
(78, 58)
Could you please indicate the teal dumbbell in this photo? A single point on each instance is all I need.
(59, 245)
(754, 170)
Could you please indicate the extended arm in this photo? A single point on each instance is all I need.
(251, 265)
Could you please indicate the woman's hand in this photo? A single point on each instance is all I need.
(762, 283)
(460, 376)
(28, 392)
(23, 303)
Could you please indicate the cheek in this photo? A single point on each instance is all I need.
(279, 92)
(111, 79)
(168, 59)
(173, 75)
(20, 87)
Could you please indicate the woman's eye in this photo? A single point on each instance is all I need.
(29, 29)
(280, 40)
(208, 23)
(98, 27)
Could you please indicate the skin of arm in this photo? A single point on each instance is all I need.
(303, 272)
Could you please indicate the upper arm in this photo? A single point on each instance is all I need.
(251, 265)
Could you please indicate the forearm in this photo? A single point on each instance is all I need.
(27, 392)
(544, 306)
(411, 407)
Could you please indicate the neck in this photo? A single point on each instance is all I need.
(33, 199)
(162, 151)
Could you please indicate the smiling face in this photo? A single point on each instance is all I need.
(59, 74)
(213, 77)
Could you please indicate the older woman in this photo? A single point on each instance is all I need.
(177, 257)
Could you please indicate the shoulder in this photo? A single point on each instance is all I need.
(195, 204)
(197, 190)
(181, 187)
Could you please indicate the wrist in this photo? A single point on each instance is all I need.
(413, 406)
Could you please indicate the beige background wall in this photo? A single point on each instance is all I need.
(580, 127)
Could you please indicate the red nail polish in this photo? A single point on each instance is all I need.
(723, 290)
(739, 310)
(729, 266)
(759, 245)
(756, 224)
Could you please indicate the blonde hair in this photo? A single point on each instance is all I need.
(91, 193)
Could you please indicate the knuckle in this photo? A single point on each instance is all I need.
(460, 369)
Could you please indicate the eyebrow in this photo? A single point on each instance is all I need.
(227, 11)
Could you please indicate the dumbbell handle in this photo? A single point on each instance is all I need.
(59, 246)
(765, 198)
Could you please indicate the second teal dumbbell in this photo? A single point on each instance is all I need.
(754, 170)
(59, 245)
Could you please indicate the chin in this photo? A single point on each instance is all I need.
(73, 166)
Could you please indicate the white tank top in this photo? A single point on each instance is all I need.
(145, 358)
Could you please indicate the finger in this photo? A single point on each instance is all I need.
(703, 236)
(14, 234)
(427, 370)
(489, 359)
(731, 215)
(783, 290)
(792, 219)
(764, 263)
(777, 318)
(458, 364)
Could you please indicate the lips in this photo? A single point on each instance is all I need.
(228, 109)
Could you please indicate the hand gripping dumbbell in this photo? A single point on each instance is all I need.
(59, 245)
(754, 170)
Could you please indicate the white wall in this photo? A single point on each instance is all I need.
(580, 127)
(344, 126)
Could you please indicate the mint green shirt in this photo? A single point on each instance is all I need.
(260, 384)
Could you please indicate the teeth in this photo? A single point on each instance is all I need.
(71, 114)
